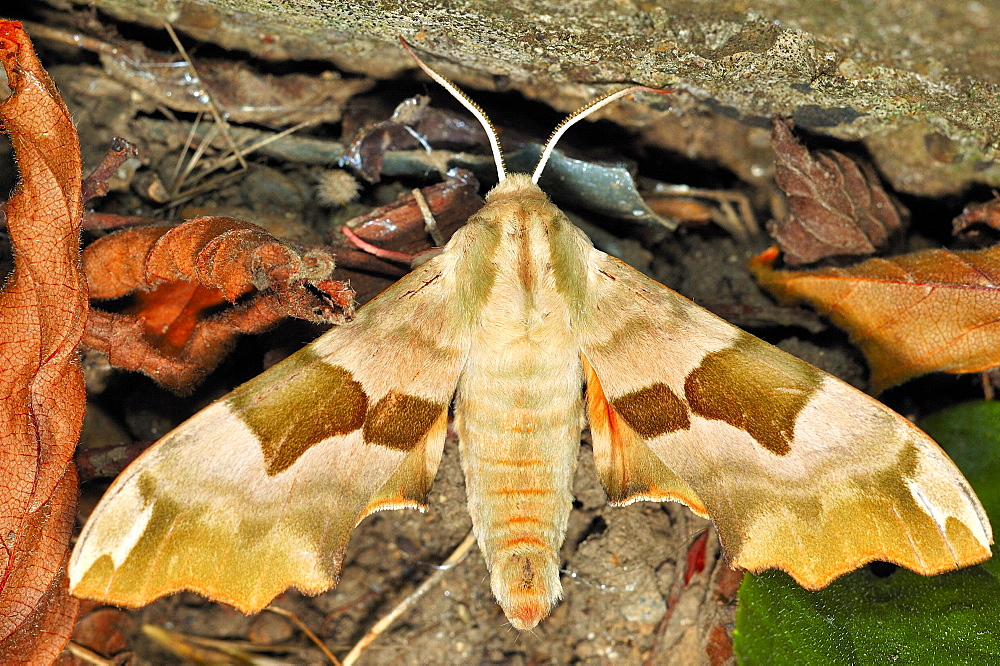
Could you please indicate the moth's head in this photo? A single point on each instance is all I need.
(568, 122)
(516, 186)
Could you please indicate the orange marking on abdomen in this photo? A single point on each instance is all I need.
(515, 462)
(522, 541)
(524, 491)
(523, 520)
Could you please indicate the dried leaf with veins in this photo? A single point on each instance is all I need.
(43, 308)
(933, 310)
(182, 275)
(835, 208)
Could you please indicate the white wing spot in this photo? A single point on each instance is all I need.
(131, 538)
(929, 509)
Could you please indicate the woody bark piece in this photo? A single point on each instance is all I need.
(834, 207)
(986, 213)
(43, 307)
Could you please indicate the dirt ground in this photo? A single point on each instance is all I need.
(626, 600)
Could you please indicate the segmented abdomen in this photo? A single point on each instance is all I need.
(518, 417)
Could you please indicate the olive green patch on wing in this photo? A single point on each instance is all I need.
(399, 421)
(755, 387)
(229, 548)
(477, 259)
(653, 411)
(567, 248)
(297, 404)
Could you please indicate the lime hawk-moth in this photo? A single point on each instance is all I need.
(260, 491)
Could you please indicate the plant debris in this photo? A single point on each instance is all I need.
(835, 207)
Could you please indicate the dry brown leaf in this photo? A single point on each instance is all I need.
(413, 124)
(183, 277)
(834, 207)
(42, 311)
(986, 213)
(933, 310)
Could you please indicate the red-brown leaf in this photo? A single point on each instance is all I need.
(834, 207)
(42, 310)
(176, 331)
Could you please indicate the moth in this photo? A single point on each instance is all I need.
(260, 491)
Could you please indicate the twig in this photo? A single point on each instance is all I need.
(429, 221)
(96, 184)
(307, 631)
(205, 97)
(86, 655)
(740, 222)
(456, 556)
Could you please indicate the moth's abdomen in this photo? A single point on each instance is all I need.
(518, 419)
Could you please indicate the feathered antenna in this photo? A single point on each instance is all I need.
(467, 103)
(580, 114)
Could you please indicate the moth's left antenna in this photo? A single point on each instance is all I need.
(467, 103)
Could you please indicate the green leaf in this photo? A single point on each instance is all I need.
(898, 617)
(970, 434)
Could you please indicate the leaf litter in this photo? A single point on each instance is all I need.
(610, 554)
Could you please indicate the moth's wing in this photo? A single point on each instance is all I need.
(798, 470)
(260, 491)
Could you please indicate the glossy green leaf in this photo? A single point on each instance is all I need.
(883, 615)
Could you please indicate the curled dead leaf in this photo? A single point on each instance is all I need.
(196, 287)
(835, 208)
(399, 226)
(933, 310)
(43, 307)
(414, 124)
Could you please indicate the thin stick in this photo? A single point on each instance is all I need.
(429, 222)
(175, 177)
(456, 556)
(206, 97)
(86, 655)
(308, 632)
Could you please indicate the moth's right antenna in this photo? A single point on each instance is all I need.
(580, 114)
(467, 103)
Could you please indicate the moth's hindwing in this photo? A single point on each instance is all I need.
(798, 470)
(260, 491)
